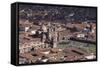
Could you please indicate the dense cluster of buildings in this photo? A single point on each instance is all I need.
(38, 42)
(56, 34)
